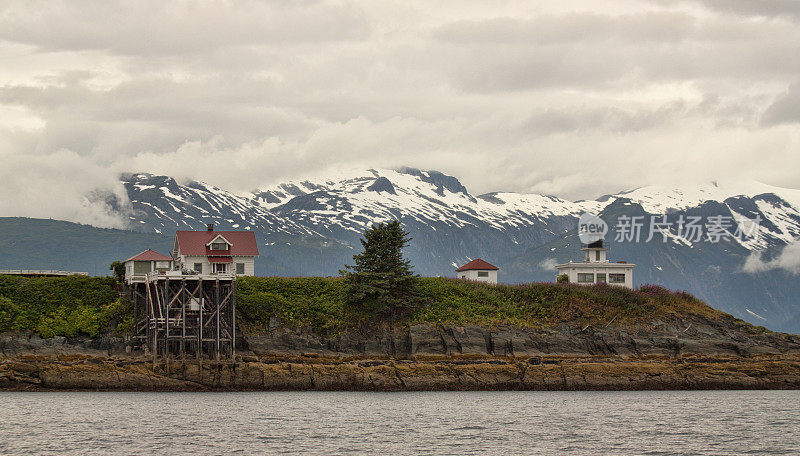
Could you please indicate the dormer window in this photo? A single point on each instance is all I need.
(219, 245)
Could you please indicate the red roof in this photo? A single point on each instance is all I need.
(149, 255)
(477, 264)
(220, 259)
(194, 243)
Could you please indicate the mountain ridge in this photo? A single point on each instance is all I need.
(312, 226)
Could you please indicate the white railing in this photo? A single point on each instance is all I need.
(51, 272)
(177, 275)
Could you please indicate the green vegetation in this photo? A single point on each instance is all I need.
(61, 306)
(380, 285)
(118, 268)
(89, 306)
(320, 304)
(315, 302)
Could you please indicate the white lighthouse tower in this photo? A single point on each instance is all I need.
(595, 252)
(596, 268)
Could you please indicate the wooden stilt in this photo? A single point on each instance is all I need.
(233, 319)
(184, 302)
(169, 326)
(217, 311)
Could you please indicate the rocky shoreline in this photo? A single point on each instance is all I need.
(271, 373)
(696, 353)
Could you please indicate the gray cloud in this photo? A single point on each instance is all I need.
(155, 28)
(591, 50)
(548, 264)
(785, 109)
(572, 100)
(60, 185)
(761, 8)
(788, 259)
(648, 27)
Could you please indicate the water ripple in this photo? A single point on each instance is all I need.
(436, 423)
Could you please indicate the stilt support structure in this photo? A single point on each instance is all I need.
(186, 315)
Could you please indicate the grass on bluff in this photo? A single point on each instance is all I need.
(89, 306)
(319, 303)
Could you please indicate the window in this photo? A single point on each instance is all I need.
(597, 255)
(240, 268)
(585, 277)
(141, 267)
(220, 268)
(219, 246)
(601, 277)
(198, 268)
(483, 273)
(616, 278)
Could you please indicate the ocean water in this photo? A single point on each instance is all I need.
(435, 423)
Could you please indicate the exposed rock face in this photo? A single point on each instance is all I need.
(21, 343)
(678, 354)
(673, 339)
(676, 338)
(325, 374)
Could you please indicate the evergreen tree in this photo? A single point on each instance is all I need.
(381, 282)
(119, 270)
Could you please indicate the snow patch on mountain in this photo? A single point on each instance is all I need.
(662, 199)
(350, 200)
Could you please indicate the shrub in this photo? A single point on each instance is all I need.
(8, 313)
(60, 306)
(654, 290)
(314, 302)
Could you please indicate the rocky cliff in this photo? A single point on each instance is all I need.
(680, 353)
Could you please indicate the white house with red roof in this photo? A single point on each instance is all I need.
(216, 252)
(138, 266)
(478, 270)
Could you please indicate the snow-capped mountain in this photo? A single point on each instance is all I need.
(347, 204)
(312, 226)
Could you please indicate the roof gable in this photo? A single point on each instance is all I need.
(219, 236)
(477, 264)
(148, 255)
(196, 243)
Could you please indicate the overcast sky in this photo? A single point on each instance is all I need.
(571, 98)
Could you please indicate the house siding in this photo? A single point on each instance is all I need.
(572, 270)
(472, 274)
(140, 268)
(188, 262)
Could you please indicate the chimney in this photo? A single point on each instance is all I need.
(210, 227)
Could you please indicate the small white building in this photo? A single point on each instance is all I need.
(478, 270)
(597, 269)
(216, 252)
(138, 266)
